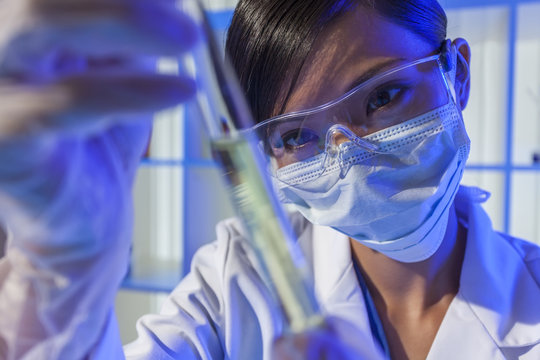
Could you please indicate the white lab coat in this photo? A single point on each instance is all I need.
(224, 310)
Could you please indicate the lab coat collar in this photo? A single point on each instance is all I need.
(335, 278)
(496, 283)
(329, 254)
(335, 281)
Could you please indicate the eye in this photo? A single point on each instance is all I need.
(381, 98)
(294, 139)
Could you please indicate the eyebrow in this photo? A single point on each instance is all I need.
(375, 70)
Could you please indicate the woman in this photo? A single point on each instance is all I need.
(398, 250)
(414, 262)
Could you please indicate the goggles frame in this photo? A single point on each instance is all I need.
(442, 58)
(445, 65)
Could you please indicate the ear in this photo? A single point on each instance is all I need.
(463, 74)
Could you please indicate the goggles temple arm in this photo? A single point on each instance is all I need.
(448, 65)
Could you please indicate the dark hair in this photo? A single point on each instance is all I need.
(269, 40)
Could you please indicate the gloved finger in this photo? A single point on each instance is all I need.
(317, 344)
(87, 103)
(337, 339)
(130, 140)
(49, 28)
(357, 337)
(149, 26)
(324, 344)
(290, 347)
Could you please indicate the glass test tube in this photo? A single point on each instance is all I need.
(225, 112)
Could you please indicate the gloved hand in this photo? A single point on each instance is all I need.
(78, 88)
(336, 340)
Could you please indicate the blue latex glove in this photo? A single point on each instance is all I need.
(78, 88)
(336, 340)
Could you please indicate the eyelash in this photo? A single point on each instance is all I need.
(295, 134)
(396, 91)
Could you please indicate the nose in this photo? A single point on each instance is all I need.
(339, 138)
(338, 134)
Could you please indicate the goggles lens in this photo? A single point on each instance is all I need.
(383, 101)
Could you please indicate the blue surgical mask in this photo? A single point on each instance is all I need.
(395, 201)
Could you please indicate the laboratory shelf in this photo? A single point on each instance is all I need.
(451, 4)
(164, 284)
(202, 163)
(503, 168)
(207, 163)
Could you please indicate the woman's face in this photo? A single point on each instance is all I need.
(353, 49)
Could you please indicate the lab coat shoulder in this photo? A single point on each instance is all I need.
(518, 333)
(186, 325)
(222, 309)
(496, 313)
(529, 253)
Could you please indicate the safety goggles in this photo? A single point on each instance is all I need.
(388, 99)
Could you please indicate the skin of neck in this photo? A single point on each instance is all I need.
(413, 288)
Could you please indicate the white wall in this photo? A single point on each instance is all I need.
(486, 31)
(525, 205)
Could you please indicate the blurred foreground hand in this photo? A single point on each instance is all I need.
(78, 89)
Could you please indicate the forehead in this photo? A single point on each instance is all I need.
(356, 42)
